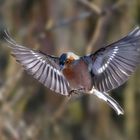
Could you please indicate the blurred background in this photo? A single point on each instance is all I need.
(30, 111)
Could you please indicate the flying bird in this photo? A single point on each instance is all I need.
(96, 73)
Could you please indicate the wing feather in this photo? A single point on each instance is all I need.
(112, 65)
(43, 67)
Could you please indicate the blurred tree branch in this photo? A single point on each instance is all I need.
(91, 6)
(50, 25)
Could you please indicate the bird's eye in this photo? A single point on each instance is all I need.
(67, 61)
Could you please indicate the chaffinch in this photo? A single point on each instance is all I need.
(96, 73)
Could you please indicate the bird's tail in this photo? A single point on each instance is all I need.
(110, 101)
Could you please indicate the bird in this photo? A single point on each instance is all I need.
(97, 73)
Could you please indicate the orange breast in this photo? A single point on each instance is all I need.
(78, 75)
(69, 73)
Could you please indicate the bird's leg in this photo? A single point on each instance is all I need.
(73, 92)
(77, 91)
(110, 101)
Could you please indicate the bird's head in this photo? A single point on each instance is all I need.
(67, 58)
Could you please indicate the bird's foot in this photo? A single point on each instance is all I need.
(77, 91)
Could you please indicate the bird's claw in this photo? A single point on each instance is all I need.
(76, 91)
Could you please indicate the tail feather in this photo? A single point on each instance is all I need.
(110, 101)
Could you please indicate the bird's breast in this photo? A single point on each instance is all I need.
(78, 76)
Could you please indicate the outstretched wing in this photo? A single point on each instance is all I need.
(42, 67)
(112, 65)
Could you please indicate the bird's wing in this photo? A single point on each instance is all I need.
(42, 67)
(111, 66)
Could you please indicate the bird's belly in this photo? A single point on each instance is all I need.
(78, 79)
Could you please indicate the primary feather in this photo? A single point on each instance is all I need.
(112, 65)
(42, 67)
